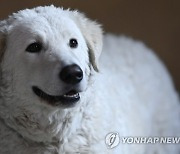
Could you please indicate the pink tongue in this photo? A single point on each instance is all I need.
(72, 92)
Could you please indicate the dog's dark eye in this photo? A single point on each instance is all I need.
(34, 47)
(73, 43)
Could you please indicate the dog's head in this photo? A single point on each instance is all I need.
(47, 56)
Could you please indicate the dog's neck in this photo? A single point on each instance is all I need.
(43, 125)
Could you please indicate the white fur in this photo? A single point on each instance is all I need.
(132, 93)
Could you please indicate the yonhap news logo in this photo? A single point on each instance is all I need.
(113, 139)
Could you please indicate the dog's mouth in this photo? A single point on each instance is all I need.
(66, 100)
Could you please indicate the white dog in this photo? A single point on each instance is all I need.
(56, 99)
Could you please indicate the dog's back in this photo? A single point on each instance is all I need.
(136, 87)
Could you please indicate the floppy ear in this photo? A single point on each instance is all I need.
(93, 35)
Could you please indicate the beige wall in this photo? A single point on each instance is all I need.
(156, 22)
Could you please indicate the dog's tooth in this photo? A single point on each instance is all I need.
(74, 95)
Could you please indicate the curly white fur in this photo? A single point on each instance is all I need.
(132, 93)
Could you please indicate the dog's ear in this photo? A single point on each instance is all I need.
(93, 35)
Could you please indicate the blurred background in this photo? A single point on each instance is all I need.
(156, 22)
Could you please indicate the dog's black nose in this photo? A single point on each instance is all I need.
(71, 74)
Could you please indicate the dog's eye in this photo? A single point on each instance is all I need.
(73, 43)
(34, 47)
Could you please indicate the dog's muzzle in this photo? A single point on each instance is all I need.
(71, 75)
